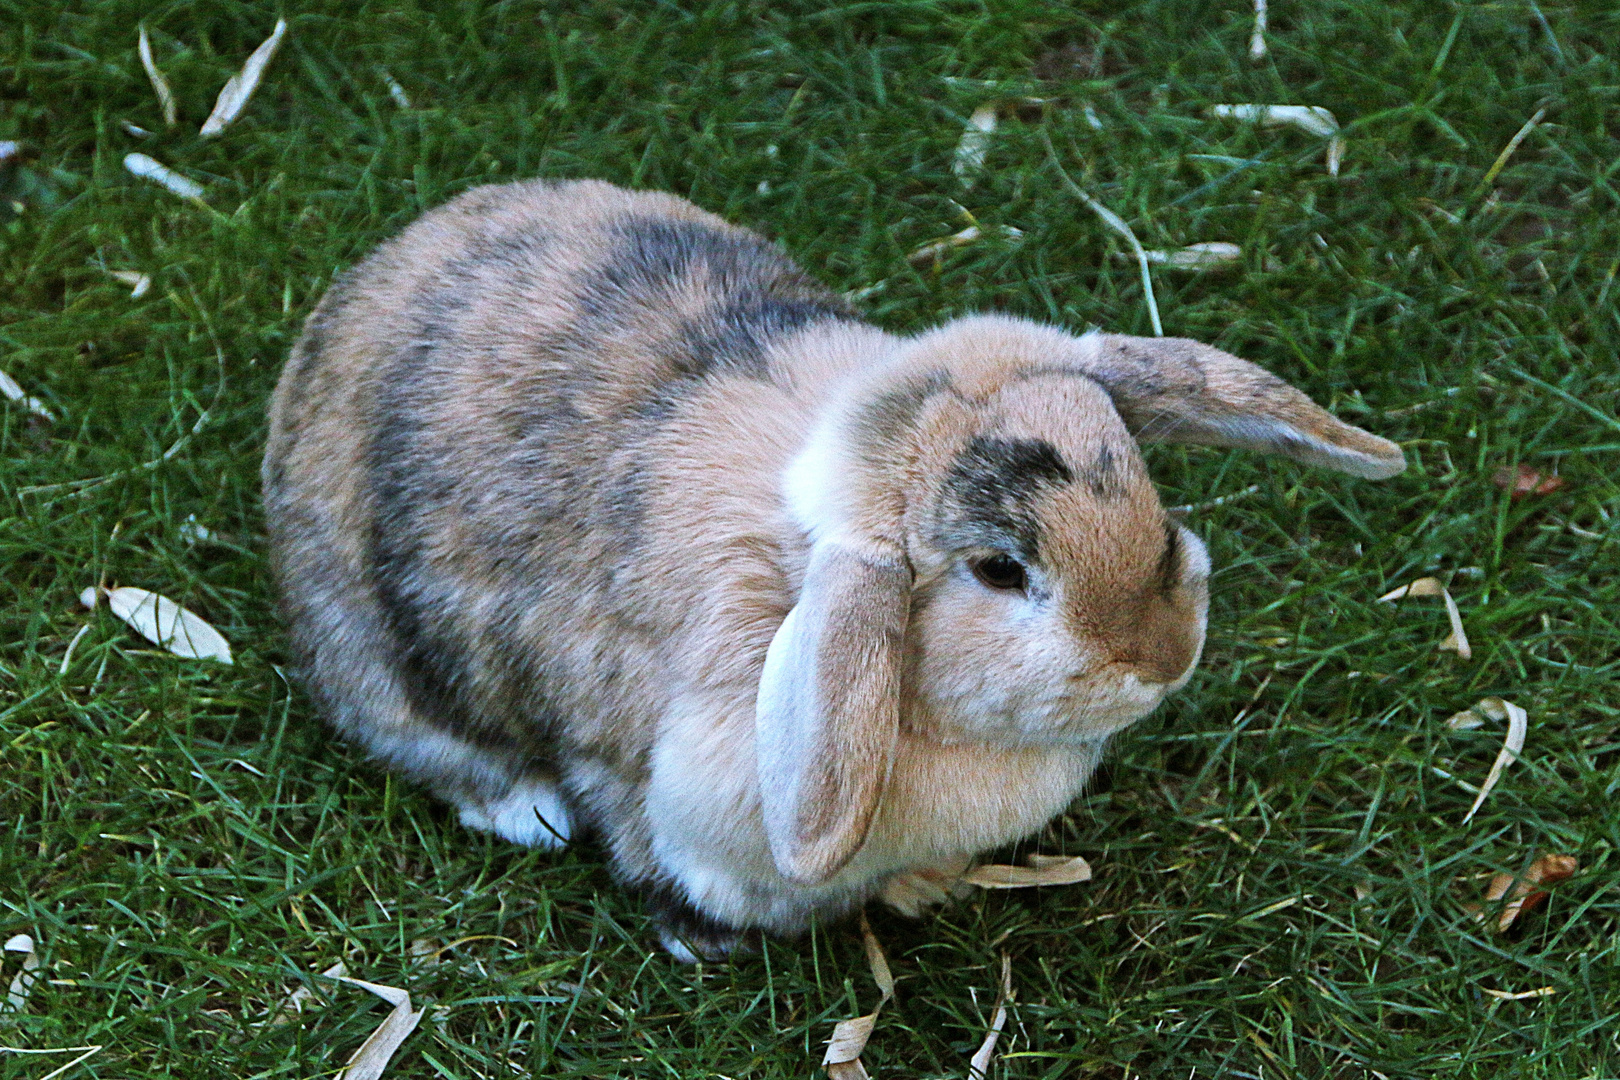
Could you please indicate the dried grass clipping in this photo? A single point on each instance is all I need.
(149, 168)
(843, 1057)
(160, 85)
(979, 1066)
(233, 97)
(24, 980)
(1311, 119)
(1457, 640)
(1518, 725)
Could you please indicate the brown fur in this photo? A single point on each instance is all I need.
(547, 472)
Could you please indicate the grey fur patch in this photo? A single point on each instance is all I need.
(883, 423)
(988, 495)
(410, 478)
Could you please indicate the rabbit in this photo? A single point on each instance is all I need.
(594, 514)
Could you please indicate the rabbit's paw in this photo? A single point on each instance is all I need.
(915, 891)
(532, 813)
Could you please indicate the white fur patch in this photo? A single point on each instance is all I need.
(809, 481)
(532, 814)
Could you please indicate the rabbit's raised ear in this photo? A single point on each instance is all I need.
(828, 712)
(1179, 391)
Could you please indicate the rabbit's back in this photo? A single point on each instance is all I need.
(519, 451)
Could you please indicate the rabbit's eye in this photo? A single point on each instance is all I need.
(1000, 572)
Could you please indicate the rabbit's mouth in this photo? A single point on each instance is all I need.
(1085, 711)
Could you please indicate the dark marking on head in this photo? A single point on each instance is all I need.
(1170, 563)
(989, 493)
(1106, 475)
(882, 424)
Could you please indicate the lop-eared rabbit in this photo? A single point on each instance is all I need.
(592, 512)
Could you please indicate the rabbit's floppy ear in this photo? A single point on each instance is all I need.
(828, 711)
(1179, 391)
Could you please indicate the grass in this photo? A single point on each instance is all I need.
(1283, 876)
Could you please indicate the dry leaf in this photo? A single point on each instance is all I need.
(9, 387)
(1211, 255)
(1518, 725)
(160, 85)
(1257, 39)
(140, 283)
(24, 980)
(975, 144)
(849, 1037)
(233, 97)
(979, 1066)
(1311, 119)
(1522, 894)
(1521, 481)
(1042, 870)
(368, 1062)
(162, 622)
(148, 168)
(1457, 640)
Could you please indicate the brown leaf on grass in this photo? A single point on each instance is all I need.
(849, 1038)
(1521, 481)
(1522, 893)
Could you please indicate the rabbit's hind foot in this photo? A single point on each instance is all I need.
(532, 813)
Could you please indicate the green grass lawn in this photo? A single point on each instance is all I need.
(1283, 876)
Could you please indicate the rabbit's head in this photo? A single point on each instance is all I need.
(989, 560)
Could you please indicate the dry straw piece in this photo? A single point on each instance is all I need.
(233, 97)
(1117, 223)
(849, 1038)
(149, 168)
(1457, 640)
(1210, 255)
(160, 85)
(1311, 119)
(140, 284)
(162, 622)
